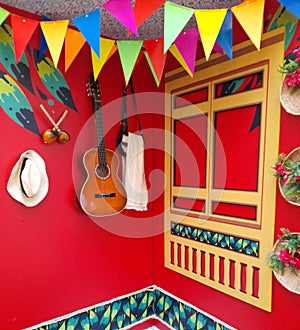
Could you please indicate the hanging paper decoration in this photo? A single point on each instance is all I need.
(74, 41)
(174, 51)
(292, 5)
(144, 8)
(107, 49)
(123, 12)
(186, 43)
(15, 103)
(155, 52)
(224, 38)
(245, 13)
(54, 33)
(54, 80)
(214, 26)
(175, 18)
(209, 24)
(43, 43)
(23, 29)
(89, 26)
(217, 48)
(284, 18)
(128, 51)
(19, 71)
(3, 15)
(157, 81)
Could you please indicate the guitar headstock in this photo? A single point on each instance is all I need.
(93, 88)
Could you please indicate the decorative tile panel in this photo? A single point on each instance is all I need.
(127, 311)
(224, 241)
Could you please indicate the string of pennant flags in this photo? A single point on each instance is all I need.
(214, 30)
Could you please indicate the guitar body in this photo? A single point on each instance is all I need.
(102, 193)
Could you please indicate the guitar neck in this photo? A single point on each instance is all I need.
(100, 134)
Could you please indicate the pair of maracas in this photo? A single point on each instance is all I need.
(55, 134)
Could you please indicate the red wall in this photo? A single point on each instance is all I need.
(53, 258)
(234, 312)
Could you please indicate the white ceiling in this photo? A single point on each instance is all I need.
(110, 27)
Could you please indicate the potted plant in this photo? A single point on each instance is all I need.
(284, 260)
(287, 170)
(290, 88)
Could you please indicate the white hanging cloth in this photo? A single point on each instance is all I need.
(133, 172)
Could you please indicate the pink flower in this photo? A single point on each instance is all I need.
(297, 177)
(295, 260)
(280, 170)
(285, 256)
(284, 179)
(292, 79)
(297, 52)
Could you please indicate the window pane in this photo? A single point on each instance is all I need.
(239, 133)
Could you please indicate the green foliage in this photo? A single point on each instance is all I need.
(289, 66)
(288, 254)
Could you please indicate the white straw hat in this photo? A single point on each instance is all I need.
(28, 182)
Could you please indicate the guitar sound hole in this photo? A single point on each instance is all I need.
(102, 171)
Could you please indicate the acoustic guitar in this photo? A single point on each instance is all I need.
(102, 193)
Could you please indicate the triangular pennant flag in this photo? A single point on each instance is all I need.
(155, 52)
(54, 33)
(292, 6)
(3, 15)
(23, 29)
(175, 18)
(225, 36)
(74, 41)
(122, 10)
(89, 26)
(174, 51)
(186, 43)
(209, 24)
(157, 81)
(43, 44)
(144, 8)
(128, 51)
(217, 48)
(107, 46)
(245, 12)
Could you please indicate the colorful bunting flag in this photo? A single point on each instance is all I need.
(54, 33)
(245, 12)
(107, 49)
(128, 51)
(144, 8)
(3, 15)
(157, 81)
(186, 44)
(174, 51)
(155, 53)
(217, 48)
(122, 10)
(214, 29)
(292, 5)
(209, 24)
(43, 44)
(89, 26)
(74, 41)
(225, 36)
(175, 18)
(23, 29)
